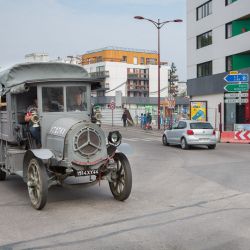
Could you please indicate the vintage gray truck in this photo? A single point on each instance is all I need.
(56, 98)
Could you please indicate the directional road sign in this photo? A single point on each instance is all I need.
(245, 100)
(236, 87)
(232, 78)
(242, 135)
(233, 95)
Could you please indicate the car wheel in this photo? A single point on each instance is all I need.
(37, 182)
(2, 175)
(211, 146)
(122, 183)
(165, 140)
(184, 144)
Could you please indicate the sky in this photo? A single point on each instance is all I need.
(72, 27)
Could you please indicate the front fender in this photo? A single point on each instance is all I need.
(42, 154)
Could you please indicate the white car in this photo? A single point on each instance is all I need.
(187, 133)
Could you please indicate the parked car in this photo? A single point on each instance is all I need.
(67, 142)
(188, 132)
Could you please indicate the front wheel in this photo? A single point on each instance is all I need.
(2, 175)
(165, 140)
(211, 146)
(122, 180)
(37, 183)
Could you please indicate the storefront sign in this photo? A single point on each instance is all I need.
(241, 127)
(198, 110)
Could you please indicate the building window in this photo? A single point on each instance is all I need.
(135, 60)
(124, 58)
(100, 68)
(229, 63)
(204, 39)
(227, 2)
(229, 30)
(99, 59)
(204, 69)
(142, 60)
(151, 61)
(204, 10)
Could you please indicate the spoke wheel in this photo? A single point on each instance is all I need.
(2, 175)
(37, 183)
(165, 140)
(122, 184)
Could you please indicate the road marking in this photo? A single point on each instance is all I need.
(142, 139)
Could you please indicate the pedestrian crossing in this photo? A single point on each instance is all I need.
(148, 139)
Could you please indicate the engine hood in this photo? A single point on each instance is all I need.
(77, 142)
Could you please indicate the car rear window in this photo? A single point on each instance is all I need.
(200, 125)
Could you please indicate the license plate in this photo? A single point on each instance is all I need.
(203, 139)
(87, 172)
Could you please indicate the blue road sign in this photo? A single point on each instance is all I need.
(236, 78)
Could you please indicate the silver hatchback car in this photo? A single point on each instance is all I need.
(187, 133)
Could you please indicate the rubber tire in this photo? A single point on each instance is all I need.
(2, 175)
(165, 140)
(211, 146)
(184, 145)
(44, 183)
(128, 178)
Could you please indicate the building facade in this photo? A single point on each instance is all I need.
(218, 42)
(133, 72)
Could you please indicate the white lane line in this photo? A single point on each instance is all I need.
(130, 139)
(142, 139)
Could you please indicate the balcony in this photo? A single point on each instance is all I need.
(137, 88)
(104, 87)
(100, 74)
(138, 77)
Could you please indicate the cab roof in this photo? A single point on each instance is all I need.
(27, 73)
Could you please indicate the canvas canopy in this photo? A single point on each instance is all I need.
(17, 78)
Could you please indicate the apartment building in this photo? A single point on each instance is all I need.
(134, 72)
(218, 41)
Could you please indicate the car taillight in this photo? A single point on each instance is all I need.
(190, 132)
(214, 133)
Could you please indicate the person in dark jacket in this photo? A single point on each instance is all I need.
(124, 118)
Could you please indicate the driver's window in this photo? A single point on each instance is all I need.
(52, 98)
(182, 125)
(175, 126)
(76, 98)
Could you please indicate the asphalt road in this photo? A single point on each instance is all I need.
(194, 199)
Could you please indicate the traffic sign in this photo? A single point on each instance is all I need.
(242, 135)
(232, 95)
(240, 100)
(232, 78)
(236, 87)
(112, 105)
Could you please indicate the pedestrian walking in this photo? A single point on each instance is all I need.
(142, 118)
(124, 118)
(144, 121)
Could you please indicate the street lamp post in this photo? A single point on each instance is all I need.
(158, 25)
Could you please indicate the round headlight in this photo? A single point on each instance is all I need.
(115, 138)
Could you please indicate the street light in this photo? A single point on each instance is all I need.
(158, 25)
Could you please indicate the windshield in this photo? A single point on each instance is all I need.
(52, 99)
(76, 98)
(200, 125)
